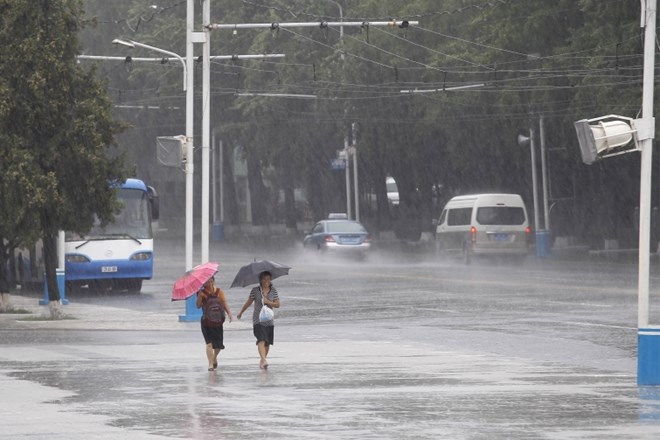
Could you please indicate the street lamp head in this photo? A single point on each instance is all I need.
(123, 43)
(523, 140)
(605, 136)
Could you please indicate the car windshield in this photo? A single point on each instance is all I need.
(346, 228)
(500, 215)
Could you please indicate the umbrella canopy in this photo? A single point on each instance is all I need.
(249, 274)
(193, 280)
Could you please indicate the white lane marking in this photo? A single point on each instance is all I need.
(579, 304)
(415, 308)
(591, 324)
(442, 310)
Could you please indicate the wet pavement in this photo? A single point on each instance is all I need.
(150, 382)
(373, 369)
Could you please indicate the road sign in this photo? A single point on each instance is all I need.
(338, 164)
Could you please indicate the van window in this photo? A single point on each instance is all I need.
(459, 217)
(442, 217)
(500, 215)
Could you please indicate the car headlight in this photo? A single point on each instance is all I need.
(76, 258)
(141, 256)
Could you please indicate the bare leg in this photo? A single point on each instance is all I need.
(263, 351)
(216, 352)
(210, 355)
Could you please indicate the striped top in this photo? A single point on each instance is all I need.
(257, 296)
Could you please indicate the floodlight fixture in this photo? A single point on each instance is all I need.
(606, 136)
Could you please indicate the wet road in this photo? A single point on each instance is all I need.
(587, 303)
(398, 346)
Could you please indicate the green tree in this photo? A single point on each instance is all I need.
(563, 60)
(56, 154)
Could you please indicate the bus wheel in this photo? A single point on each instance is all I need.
(134, 285)
(73, 286)
(100, 286)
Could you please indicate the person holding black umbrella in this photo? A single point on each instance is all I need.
(263, 324)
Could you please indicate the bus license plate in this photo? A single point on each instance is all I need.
(108, 268)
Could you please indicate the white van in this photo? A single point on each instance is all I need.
(484, 224)
(392, 191)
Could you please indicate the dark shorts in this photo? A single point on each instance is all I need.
(264, 333)
(214, 336)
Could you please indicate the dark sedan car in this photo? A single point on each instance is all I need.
(340, 236)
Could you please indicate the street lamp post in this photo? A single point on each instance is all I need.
(132, 44)
(539, 234)
(206, 127)
(341, 27)
(355, 173)
(648, 368)
(544, 178)
(347, 150)
(191, 309)
(610, 136)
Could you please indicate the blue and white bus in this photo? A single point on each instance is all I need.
(119, 255)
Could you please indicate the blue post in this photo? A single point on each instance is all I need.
(218, 231)
(192, 312)
(61, 285)
(648, 356)
(649, 403)
(542, 243)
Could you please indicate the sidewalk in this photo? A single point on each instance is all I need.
(80, 316)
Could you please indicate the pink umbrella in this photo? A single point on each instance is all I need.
(193, 280)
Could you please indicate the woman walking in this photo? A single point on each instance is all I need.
(214, 304)
(264, 295)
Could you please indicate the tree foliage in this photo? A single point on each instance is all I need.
(522, 60)
(56, 129)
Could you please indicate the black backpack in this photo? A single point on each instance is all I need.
(214, 312)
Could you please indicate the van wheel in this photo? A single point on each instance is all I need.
(467, 254)
(438, 248)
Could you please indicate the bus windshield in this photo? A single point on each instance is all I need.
(133, 221)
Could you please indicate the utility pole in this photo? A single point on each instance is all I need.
(355, 172)
(535, 191)
(347, 154)
(206, 127)
(648, 349)
(544, 177)
(190, 100)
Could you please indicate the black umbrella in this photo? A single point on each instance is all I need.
(249, 274)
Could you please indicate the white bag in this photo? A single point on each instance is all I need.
(266, 314)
